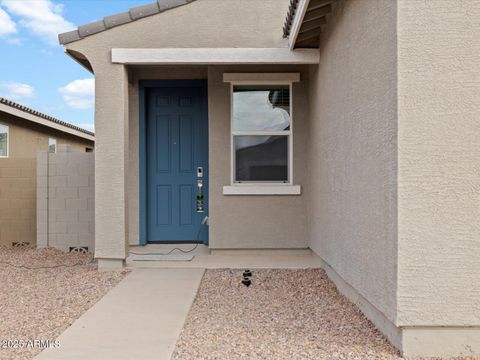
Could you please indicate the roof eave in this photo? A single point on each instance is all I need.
(23, 112)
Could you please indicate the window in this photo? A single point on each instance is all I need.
(52, 145)
(88, 149)
(3, 141)
(261, 134)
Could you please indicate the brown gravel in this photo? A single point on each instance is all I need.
(41, 303)
(284, 314)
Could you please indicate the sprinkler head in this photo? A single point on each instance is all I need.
(247, 273)
(246, 281)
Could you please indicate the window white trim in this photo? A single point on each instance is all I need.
(249, 189)
(261, 78)
(289, 81)
(8, 141)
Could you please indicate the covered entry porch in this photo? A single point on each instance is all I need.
(238, 210)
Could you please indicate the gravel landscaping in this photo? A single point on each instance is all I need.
(41, 299)
(284, 314)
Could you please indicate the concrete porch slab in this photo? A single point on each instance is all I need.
(220, 259)
(140, 318)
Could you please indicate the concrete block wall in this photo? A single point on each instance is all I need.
(65, 199)
(17, 201)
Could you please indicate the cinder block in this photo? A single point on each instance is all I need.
(86, 192)
(85, 166)
(91, 204)
(76, 204)
(12, 193)
(59, 181)
(42, 204)
(10, 172)
(42, 182)
(66, 192)
(4, 203)
(66, 215)
(86, 240)
(22, 204)
(28, 172)
(28, 193)
(63, 148)
(78, 228)
(9, 213)
(86, 216)
(57, 227)
(64, 241)
(59, 158)
(42, 240)
(77, 180)
(56, 204)
(28, 213)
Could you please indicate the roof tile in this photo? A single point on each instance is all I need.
(117, 19)
(91, 28)
(69, 37)
(144, 10)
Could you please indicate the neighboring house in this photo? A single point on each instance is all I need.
(355, 133)
(23, 133)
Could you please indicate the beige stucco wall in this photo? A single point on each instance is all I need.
(439, 163)
(18, 176)
(203, 23)
(254, 221)
(352, 156)
(235, 221)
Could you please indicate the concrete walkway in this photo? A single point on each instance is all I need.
(141, 318)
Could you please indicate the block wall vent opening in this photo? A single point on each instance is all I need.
(21, 244)
(78, 249)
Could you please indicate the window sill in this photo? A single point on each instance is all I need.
(262, 190)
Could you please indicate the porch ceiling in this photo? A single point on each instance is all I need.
(305, 21)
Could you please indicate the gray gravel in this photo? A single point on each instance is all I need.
(284, 314)
(41, 303)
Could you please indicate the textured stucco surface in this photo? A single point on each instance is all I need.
(200, 24)
(352, 156)
(247, 23)
(254, 221)
(439, 162)
(235, 221)
(111, 159)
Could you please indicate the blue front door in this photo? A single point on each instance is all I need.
(176, 150)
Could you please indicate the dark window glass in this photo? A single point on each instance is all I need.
(261, 158)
